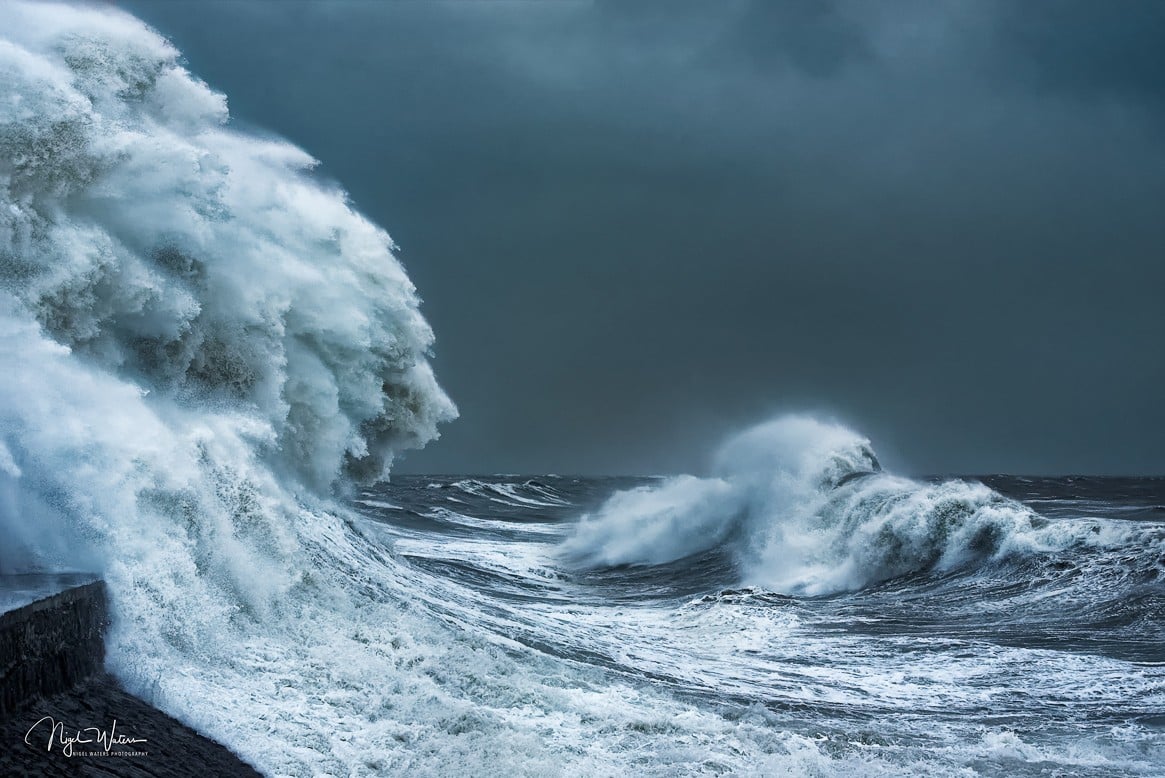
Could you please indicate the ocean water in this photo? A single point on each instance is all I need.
(210, 362)
(1040, 650)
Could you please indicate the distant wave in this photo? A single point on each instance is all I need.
(806, 509)
(527, 493)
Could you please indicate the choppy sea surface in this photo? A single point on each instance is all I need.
(1041, 661)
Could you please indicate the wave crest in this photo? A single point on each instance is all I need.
(805, 509)
(195, 261)
(200, 340)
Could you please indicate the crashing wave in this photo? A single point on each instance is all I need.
(189, 259)
(200, 341)
(806, 509)
(190, 281)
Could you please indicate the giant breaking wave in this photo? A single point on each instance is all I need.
(200, 344)
(188, 319)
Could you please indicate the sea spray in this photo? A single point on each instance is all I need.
(200, 342)
(193, 326)
(806, 509)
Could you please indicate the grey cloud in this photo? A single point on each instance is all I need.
(1087, 47)
(815, 36)
(639, 225)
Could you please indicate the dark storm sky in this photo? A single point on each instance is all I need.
(638, 226)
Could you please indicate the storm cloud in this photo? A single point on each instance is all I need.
(638, 226)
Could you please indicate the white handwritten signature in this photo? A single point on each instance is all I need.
(104, 738)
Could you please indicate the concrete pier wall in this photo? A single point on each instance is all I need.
(51, 644)
(51, 674)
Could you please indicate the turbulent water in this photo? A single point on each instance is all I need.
(849, 623)
(210, 359)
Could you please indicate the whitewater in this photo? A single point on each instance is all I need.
(211, 360)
